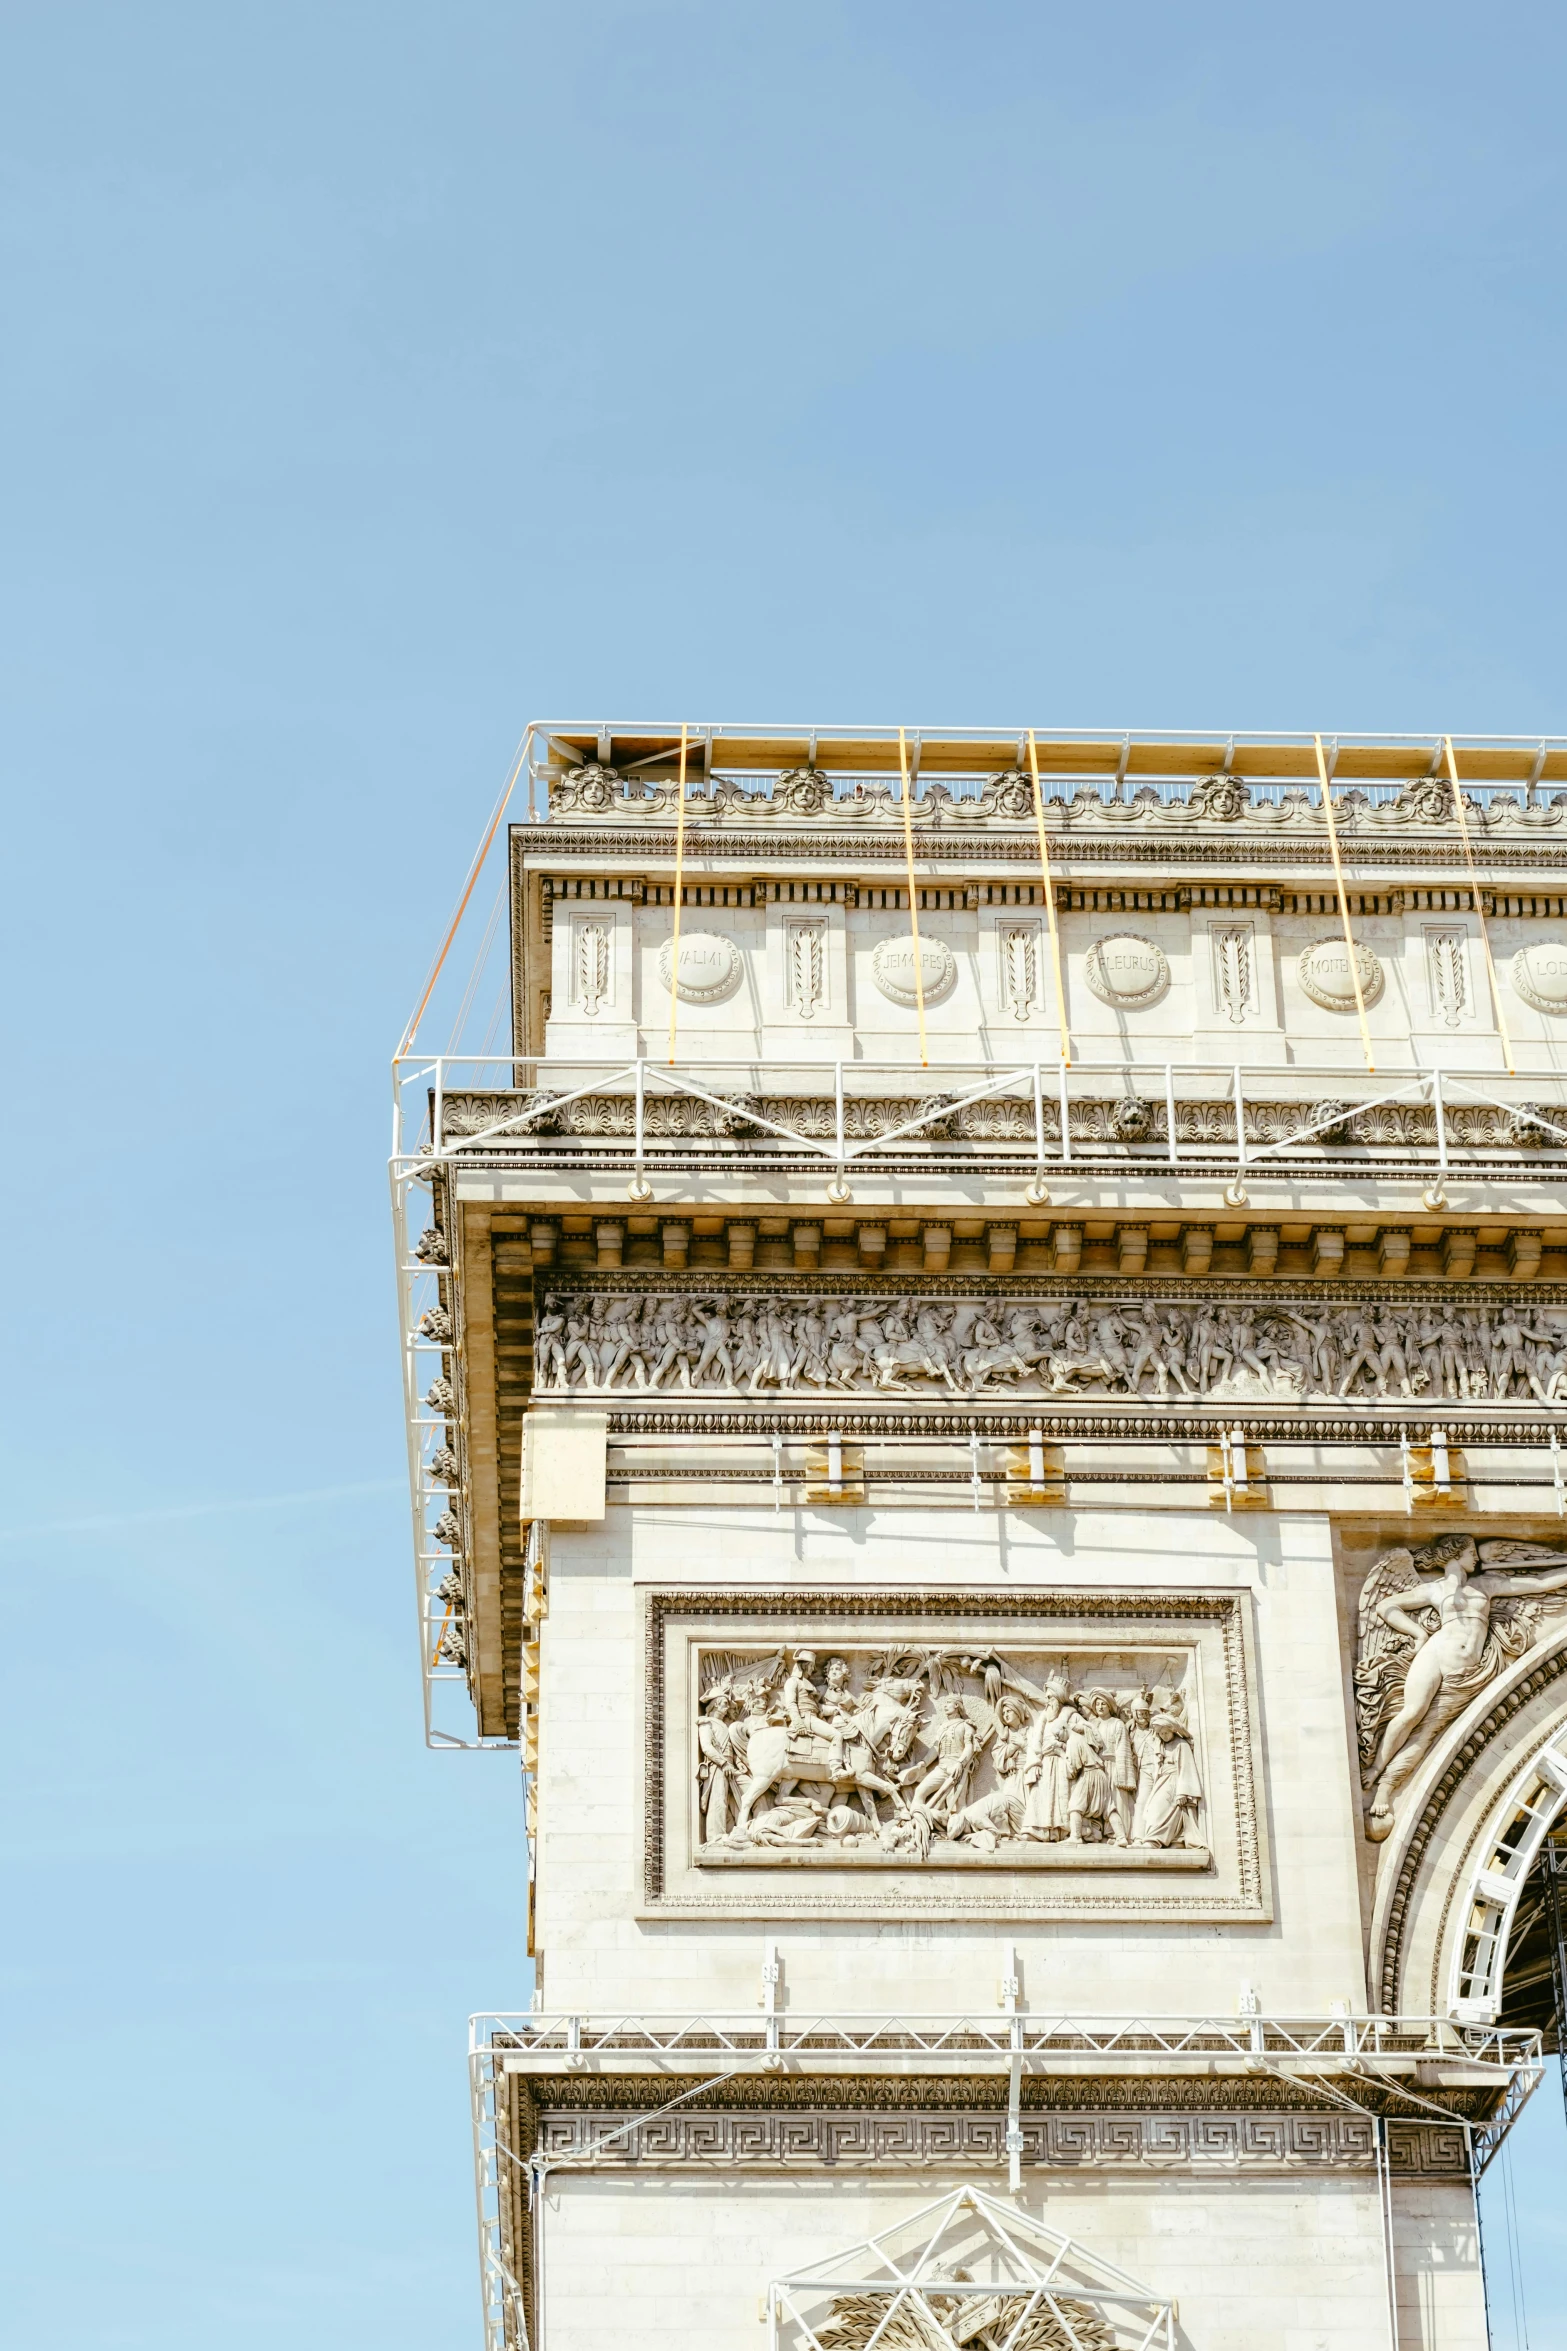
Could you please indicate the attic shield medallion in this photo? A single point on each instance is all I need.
(892, 967)
(1539, 974)
(1127, 971)
(1325, 975)
(709, 966)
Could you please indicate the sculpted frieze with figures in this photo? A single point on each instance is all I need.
(867, 1756)
(1057, 1752)
(1289, 1350)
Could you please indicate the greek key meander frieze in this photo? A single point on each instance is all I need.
(1437, 1624)
(1126, 1122)
(1013, 1757)
(861, 2141)
(952, 1754)
(1292, 1350)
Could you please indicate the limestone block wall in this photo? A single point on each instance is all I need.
(603, 1946)
(1296, 2264)
(806, 981)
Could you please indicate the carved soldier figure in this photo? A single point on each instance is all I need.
(1241, 1339)
(1392, 1361)
(799, 1699)
(1147, 1752)
(716, 1746)
(810, 1346)
(1088, 1785)
(843, 1348)
(578, 1350)
(1168, 1803)
(1477, 1351)
(1205, 1351)
(713, 1321)
(1145, 1340)
(615, 1337)
(747, 1346)
(1454, 1380)
(1427, 1343)
(839, 1712)
(1021, 1333)
(956, 1743)
(1548, 1371)
(1009, 1741)
(1045, 1773)
(549, 1353)
(1361, 1353)
(775, 1347)
(672, 1338)
(932, 1329)
(1509, 1355)
(1321, 1351)
(1108, 1729)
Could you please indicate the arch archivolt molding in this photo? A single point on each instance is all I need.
(1451, 1874)
(1480, 1921)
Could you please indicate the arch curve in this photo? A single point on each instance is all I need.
(1488, 1899)
(1450, 1875)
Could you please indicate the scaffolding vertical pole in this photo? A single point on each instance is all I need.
(1554, 1855)
(1050, 897)
(1011, 2000)
(641, 1189)
(837, 1097)
(1350, 948)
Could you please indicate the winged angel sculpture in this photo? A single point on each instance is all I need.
(1436, 1625)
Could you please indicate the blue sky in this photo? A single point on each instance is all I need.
(374, 379)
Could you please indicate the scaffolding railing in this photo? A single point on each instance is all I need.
(504, 1102)
(1423, 1123)
(1117, 765)
(1404, 2063)
(811, 2037)
(426, 1333)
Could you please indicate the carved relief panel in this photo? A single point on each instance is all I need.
(895, 1754)
(591, 990)
(806, 991)
(1286, 1350)
(592, 972)
(1017, 1757)
(1449, 991)
(1234, 947)
(1021, 957)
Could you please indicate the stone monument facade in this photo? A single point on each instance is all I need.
(997, 1359)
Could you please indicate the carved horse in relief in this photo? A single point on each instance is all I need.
(886, 1720)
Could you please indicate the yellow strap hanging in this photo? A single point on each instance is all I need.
(680, 862)
(914, 906)
(1343, 907)
(1050, 897)
(1474, 891)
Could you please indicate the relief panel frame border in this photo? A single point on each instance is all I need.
(1150, 1614)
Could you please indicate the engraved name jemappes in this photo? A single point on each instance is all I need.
(1013, 1758)
(1290, 1350)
